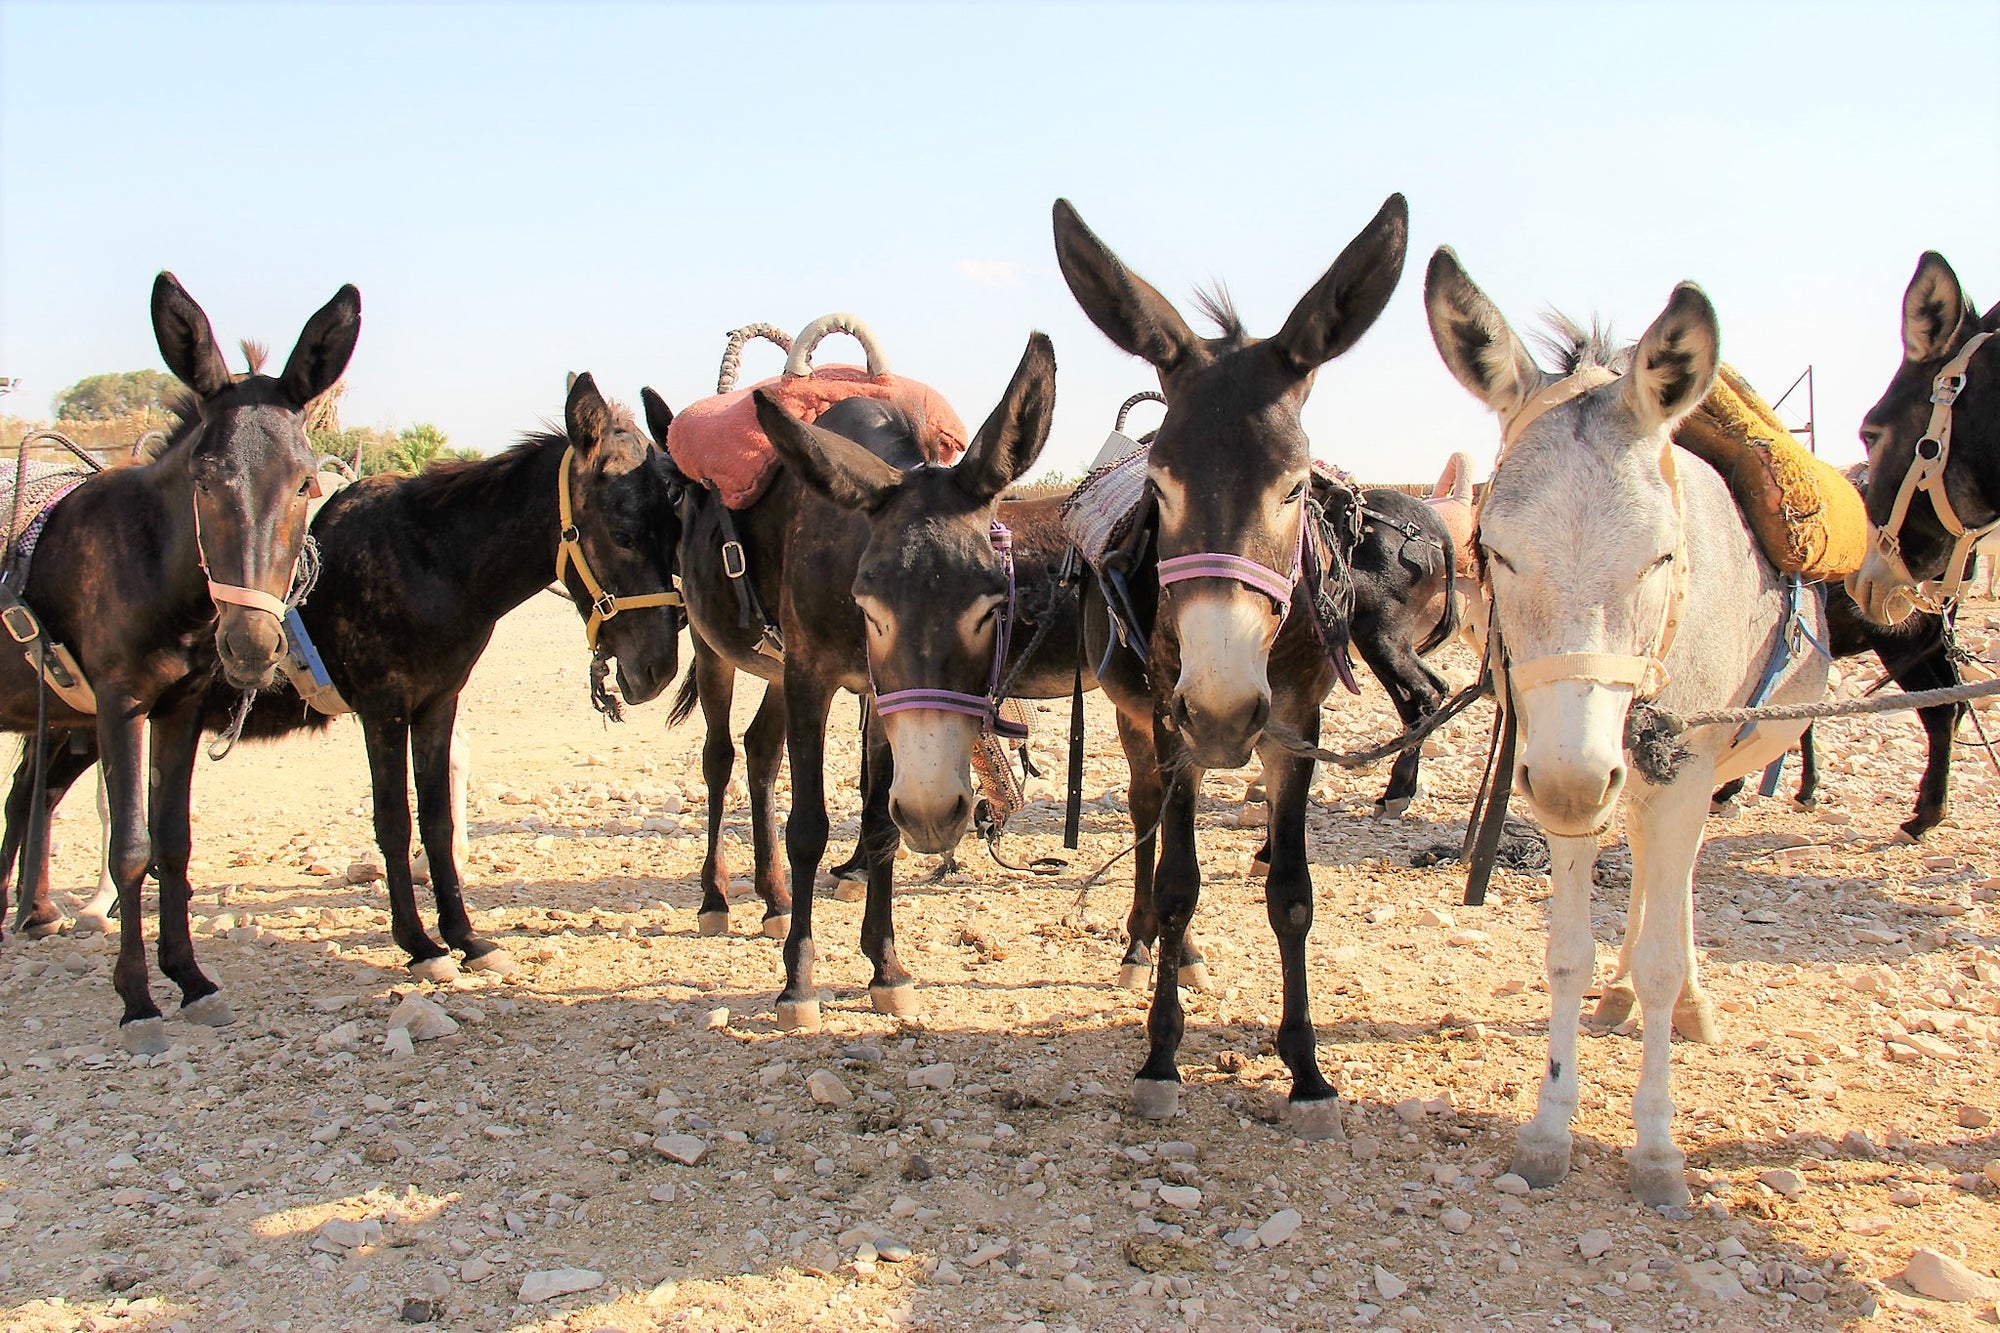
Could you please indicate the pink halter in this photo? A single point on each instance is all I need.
(1241, 568)
(985, 707)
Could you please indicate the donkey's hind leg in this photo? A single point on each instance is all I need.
(764, 753)
(431, 733)
(715, 681)
(1666, 834)
(28, 845)
(1416, 691)
(1143, 795)
(388, 742)
(1541, 1148)
(97, 914)
(1618, 1001)
(176, 738)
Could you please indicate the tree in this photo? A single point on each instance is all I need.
(115, 394)
(405, 453)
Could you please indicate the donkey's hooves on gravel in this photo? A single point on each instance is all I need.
(494, 962)
(92, 923)
(1541, 1167)
(899, 1000)
(712, 923)
(211, 1010)
(439, 971)
(1613, 1008)
(1195, 976)
(1660, 1185)
(798, 1015)
(148, 1036)
(1155, 1099)
(778, 927)
(1696, 1022)
(1133, 976)
(1317, 1121)
(1396, 809)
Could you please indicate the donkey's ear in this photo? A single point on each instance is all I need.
(1013, 436)
(1479, 348)
(658, 415)
(586, 416)
(1350, 296)
(831, 464)
(187, 343)
(1118, 301)
(324, 348)
(1674, 365)
(1934, 305)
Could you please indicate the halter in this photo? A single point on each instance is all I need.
(1645, 673)
(985, 707)
(1252, 574)
(1926, 473)
(236, 594)
(569, 552)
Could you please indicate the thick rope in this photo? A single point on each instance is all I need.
(732, 355)
(1415, 735)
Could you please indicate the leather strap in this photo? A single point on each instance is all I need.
(1565, 390)
(231, 593)
(1926, 474)
(569, 554)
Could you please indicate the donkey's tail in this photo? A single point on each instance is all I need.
(1447, 622)
(686, 700)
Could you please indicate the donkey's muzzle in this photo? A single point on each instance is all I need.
(1572, 800)
(1221, 737)
(251, 645)
(933, 830)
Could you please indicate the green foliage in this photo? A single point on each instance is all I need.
(406, 452)
(114, 394)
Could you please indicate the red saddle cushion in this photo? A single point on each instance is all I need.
(718, 441)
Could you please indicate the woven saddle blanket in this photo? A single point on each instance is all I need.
(717, 440)
(43, 486)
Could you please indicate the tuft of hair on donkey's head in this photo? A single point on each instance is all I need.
(934, 583)
(251, 466)
(1230, 466)
(1581, 531)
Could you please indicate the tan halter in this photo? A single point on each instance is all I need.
(569, 551)
(1646, 673)
(1926, 474)
(236, 594)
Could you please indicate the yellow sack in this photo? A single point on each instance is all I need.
(1809, 519)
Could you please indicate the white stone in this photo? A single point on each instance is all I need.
(939, 1077)
(1593, 1243)
(1783, 1180)
(683, 1148)
(1510, 1184)
(1943, 1278)
(1455, 1220)
(550, 1283)
(396, 1045)
(1710, 1281)
(1464, 938)
(1185, 1197)
(1437, 916)
(424, 1018)
(1279, 1227)
(716, 1018)
(1388, 1285)
(474, 1270)
(351, 1235)
(827, 1089)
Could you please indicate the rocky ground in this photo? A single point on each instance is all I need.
(619, 1138)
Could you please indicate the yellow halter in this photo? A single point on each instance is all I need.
(569, 552)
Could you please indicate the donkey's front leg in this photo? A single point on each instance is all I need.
(1288, 901)
(806, 703)
(434, 746)
(764, 753)
(890, 989)
(1541, 1151)
(176, 737)
(1156, 1092)
(715, 685)
(120, 724)
(1667, 825)
(388, 743)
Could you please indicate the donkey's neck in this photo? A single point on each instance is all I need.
(497, 541)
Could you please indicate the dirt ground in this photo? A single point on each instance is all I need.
(1011, 1189)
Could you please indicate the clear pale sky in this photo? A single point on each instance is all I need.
(520, 190)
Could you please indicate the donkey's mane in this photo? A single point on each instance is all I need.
(475, 481)
(1219, 307)
(1572, 347)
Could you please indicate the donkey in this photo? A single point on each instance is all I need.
(1933, 444)
(1599, 537)
(1232, 647)
(416, 573)
(158, 575)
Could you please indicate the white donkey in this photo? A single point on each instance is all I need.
(1618, 568)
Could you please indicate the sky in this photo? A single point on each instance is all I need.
(521, 190)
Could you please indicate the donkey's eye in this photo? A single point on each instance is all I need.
(1298, 493)
(1871, 439)
(624, 537)
(1661, 562)
(1499, 559)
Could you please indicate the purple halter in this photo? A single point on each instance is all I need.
(1250, 573)
(985, 707)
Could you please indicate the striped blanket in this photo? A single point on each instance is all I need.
(43, 486)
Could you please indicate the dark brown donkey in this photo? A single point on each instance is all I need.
(1232, 648)
(810, 560)
(416, 573)
(156, 575)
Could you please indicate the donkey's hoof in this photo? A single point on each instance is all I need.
(1317, 1121)
(1155, 1099)
(439, 971)
(1133, 976)
(147, 1036)
(777, 927)
(92, 923)
(1396, 809)
(798, 1015)
(857, 872)
(1195, 976)
(211, 1011)
(1694, 1019)
(494, 962)
(713, 923)
(1660, 1185)
(899, 1000)
(1613, 1008)
(1541, 1167)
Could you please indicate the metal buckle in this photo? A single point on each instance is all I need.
(606, 606)
(1947, 388)
(20, 623)
(734, 564)
(570, 536)
(1935, 452)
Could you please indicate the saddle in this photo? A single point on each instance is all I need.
(1806, 515)
(1451, 500)
(28, 495)
(718, 442)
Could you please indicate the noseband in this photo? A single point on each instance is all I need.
(1926, 474)
(1645, 673)
(233, 593)
(569, 552)
(985, 707)
(1252, 574)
